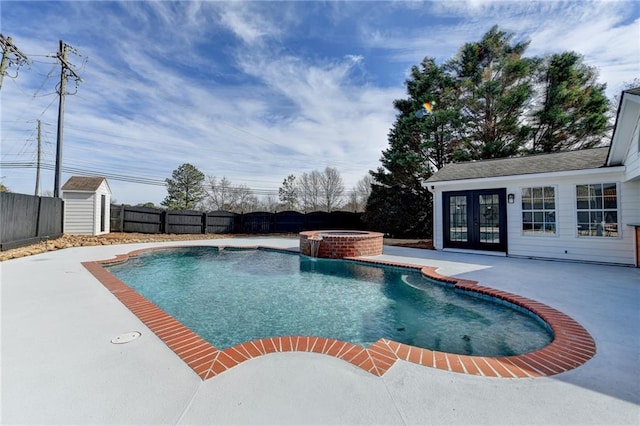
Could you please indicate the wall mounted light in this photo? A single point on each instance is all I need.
(511, 198)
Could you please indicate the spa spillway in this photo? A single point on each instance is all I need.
(340, 244)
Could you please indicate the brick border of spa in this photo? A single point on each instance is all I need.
(571, 347)
(333, 244)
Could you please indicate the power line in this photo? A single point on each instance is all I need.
(11, 55)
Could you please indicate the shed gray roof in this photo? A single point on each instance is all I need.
(81, 183)
(540, 163)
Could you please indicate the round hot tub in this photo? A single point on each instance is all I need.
(340, 244)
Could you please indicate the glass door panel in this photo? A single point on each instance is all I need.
(489, 218)
(458, 218)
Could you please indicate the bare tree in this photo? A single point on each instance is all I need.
(243, 199)
(332, 188)
(219, 194)
(363, 190)
(269, 203)
(310, 191)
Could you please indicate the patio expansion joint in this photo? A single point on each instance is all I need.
(571, 347)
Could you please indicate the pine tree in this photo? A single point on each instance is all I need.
(288, 192)
(495, 83)
(184, 188)
(573, 110)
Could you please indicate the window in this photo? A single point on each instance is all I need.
(539, 210)
(597, 210)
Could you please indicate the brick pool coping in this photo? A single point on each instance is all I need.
(571, 347)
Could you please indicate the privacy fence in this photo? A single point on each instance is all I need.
(27, 219)
(157, 221)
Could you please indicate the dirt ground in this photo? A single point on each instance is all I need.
(67, 241)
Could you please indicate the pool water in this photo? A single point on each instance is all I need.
(231, 296)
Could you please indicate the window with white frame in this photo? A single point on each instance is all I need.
(597, 210)
(539, 210)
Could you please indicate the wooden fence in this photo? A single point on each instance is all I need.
(27, 219)
(157, 221)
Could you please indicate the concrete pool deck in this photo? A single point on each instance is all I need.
(58, 365)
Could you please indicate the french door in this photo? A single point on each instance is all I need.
(475, 219)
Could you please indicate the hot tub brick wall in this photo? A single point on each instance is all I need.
(341, 246)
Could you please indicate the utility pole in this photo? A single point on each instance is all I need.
(39, 156)
(66, 71)
(10, 55)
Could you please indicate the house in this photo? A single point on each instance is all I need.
(87, 202)
(579, 205)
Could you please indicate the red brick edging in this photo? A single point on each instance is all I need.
(572, 345)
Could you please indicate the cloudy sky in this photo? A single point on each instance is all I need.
(254, 91)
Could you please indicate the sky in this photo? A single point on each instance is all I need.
(253, 91)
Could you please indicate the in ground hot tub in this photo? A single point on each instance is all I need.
(340, 244)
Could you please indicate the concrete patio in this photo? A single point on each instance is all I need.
(59, 367)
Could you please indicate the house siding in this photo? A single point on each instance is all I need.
(565, 244)
(632, 161)
(79, 210)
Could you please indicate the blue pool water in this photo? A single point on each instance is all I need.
(232, 296)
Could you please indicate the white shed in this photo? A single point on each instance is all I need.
(87, 202)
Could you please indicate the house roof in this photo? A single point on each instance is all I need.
(82, 183)
(541, 163)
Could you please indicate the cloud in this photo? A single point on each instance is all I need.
(256, 91)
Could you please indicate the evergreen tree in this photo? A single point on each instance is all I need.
(399, 205)
(573, 110)
(485, 107)
(184, 188)
(495, 83)
(288, 192)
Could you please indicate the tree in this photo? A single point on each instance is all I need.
(495, 84)
(359, 194)
(243, 199)
(147, 204)
(184, 188)
(309, 190)
(399, 205)
(223, 195)
(269, 203)
(573, 109)
(440, 131)
(219, 194)
(288, 192)
(363, 189)
(332, 188)
(614, 103)
(4, 188)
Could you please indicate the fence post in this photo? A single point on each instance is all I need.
(164, 222)
(121, 218)
(204, 222)
(38, 217)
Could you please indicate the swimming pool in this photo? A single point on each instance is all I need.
(232, 296)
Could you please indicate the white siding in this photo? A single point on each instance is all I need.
(632, 162)
(566, 244)
(79, 210)
(103, 189)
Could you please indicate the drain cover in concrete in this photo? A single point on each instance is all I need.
(126, 337)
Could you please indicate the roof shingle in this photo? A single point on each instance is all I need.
(81, 183)
(541, 163)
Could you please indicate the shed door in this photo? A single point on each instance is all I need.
(475, 219)
(103, 210)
